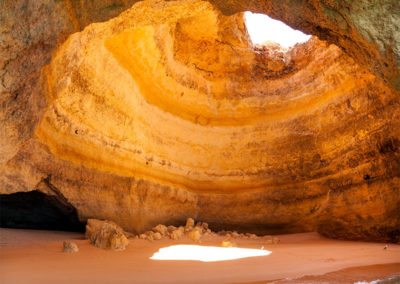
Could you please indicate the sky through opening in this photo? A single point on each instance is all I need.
(263, 29)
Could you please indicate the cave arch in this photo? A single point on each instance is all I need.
(278, 144)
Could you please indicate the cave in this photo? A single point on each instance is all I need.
(36, 210)
(152, 112)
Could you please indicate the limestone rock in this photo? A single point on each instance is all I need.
(235, 234)
(157, 236)
(149, 236)
(177, 233)
(106, 235)
(171, 229)
(118, 241)
(189, 224)
(307, 140)
(194, 234)
(366, 30)
(70, 247)
(227, 244)
(204, 226)
(161, 229)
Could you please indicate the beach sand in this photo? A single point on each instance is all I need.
(29, 257)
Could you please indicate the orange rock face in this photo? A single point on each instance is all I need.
(167, 111)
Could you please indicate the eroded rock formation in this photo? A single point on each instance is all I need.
(167, 111)
(106, 235)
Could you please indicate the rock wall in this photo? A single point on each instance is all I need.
(366, 30)
(167, 111)
(29, 33)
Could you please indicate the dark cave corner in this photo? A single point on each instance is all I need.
(39, 211)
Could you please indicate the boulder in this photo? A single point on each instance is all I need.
(106, 235)
(177, 234)
(194, 234)
(157, 236)
(162, 229)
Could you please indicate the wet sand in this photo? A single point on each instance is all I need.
(28, 256)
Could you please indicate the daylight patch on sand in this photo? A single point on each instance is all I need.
(206, 253)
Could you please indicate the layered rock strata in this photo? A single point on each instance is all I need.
(167, 111)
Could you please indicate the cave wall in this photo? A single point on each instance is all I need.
(365, 30)
(313, 144)
(29, 33)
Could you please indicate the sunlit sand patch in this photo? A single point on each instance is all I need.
(206, 253)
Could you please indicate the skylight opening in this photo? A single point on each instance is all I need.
(264, 31)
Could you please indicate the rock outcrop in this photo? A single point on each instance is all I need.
(168, 111)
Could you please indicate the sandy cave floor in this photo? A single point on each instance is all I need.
(29, 256)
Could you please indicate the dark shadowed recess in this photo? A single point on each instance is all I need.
(36, 210)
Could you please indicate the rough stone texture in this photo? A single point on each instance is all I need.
(195, 234)
(29, 33)
(106, 235)
(161, 229)
(157, 236)
(167, 112)
(189, 224)
(70, 247)
(366, 30)
(177, 233)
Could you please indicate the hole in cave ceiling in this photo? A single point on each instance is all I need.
(264, 31)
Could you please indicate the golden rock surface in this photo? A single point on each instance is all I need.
(168, 111)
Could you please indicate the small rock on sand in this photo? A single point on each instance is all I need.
(162, 229)
(70, 247)
(157, 236)
(194, 235)
(149, 236)
(189, 224)
(227, 244)
(171, 229)
(177, 233)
